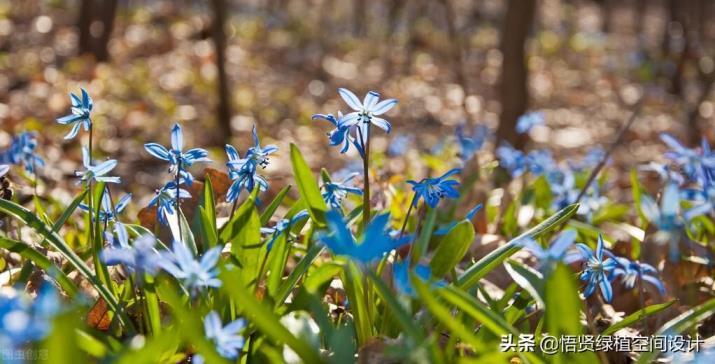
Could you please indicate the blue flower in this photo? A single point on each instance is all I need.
(470, 215)
(529, 120)
(165, 201)
(4, 168)
(665, 173)
(195, 275)
(244, 174)
(178, 160)
(22, 152)
(592, 158)
(109, 212)
(260, 154)
(557, 252)
(141, 257)
(226, 338)
(432, 190)
(375, 242)
(470, 144)
(401, 277)
(705, 199)
(367, 111)
(81, 109)
(342, 134)
(540, 162)
(284, 225)
(513, 160)
(24, 319)
(666, 218)
(334, 192)
(631, 271)
(399, 145)
(97, 172)
(692, 161)
(597, 270)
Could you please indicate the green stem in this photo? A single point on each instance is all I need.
(366, 177)
(407, 216)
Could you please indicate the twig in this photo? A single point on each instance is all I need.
(619, 139)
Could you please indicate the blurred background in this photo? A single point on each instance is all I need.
(221, 66)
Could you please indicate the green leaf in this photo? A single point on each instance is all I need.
(207, 211)
(308, 187)
(405, 320)
(246, 239)
(264, 319)
(492, 260)
(563, 312)
(273, 206)
(41, 261)
(477, 310)
(637, 316)
(443, 315)
(90, 345)
(452, 248)
(69, 211)
(27, 218)
(678, 325)
(422, 243)
(527, 278)
(300, 269)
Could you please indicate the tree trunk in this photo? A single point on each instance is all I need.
(456, 45)
(514, 91)
(102, 13)
(106, 17)
(83, 24)
(223, 111)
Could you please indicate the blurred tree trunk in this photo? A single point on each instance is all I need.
(455, 44)
(218, 35)
(514, 91)
(95, 24)
(359, 17)
(640, 11)
(83, 24)
(607, 14)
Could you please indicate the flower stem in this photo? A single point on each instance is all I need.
(366, 176)
(177, 179)
(407, 216)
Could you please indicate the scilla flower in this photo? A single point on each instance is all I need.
(24, 319)
(367, 111)
(178, 160)
(555, 253)
(631, 272)
(432, 190)
(140, 257)
(597, 271)
(471, 142)
(342, 134)
(529, 120)
(511, 159)
(335, 192)
(284, 225)
(109, 211)
(81, 109)
(244, 174)
(666, 218)
(226, 338)
(401, 277)
(22, 152)
(258, 153)
(97, 172)
(375, 242)
(165, 200)
(194, 274)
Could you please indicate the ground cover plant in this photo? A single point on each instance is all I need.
(335, 275)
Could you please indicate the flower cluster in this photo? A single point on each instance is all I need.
(24, 319)
(22, 152)
(244, 171)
